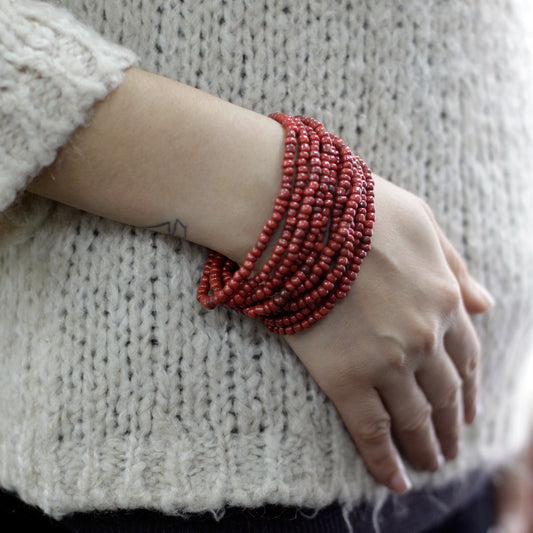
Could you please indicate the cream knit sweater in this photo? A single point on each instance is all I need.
(117, 389)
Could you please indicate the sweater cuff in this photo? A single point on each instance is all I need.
(53, 70)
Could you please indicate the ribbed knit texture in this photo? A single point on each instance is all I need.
(118, 390)
(52, 71)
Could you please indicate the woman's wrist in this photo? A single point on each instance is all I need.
(166, 156)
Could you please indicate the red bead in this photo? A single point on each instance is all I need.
(326, 194)
(322, 291)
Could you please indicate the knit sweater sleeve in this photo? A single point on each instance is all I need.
(53, 70)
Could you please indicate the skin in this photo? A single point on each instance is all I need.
(399, 356)
(414, 374)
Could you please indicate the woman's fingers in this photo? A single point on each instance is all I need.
(461, 341)
(442, 386)
(406, 300)
(463, 346)
(370, 426)
(412, 424)
(477, 298)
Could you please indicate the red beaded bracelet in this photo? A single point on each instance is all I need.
(326, 200)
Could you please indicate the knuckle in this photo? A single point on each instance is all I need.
(472, 362)
(397, 361)
(450, 399)
(418, 421)
(469, 400)
(392, 359)
(370, 432)
(425, 339)
(475, 355)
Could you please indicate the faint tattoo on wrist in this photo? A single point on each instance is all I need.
(175, 228)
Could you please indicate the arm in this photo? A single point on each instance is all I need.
(154, 156)
(162, 155)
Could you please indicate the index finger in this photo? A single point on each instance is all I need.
(476, 297)
(369, 424)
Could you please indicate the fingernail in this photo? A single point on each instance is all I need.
(440, 460)
(400, 483)
(437, 463)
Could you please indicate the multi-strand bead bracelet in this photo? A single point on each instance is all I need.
(326, 200)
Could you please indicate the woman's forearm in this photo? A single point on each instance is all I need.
(164, 155)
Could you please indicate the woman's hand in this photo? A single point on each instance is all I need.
(399, 348)
(399, 355)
